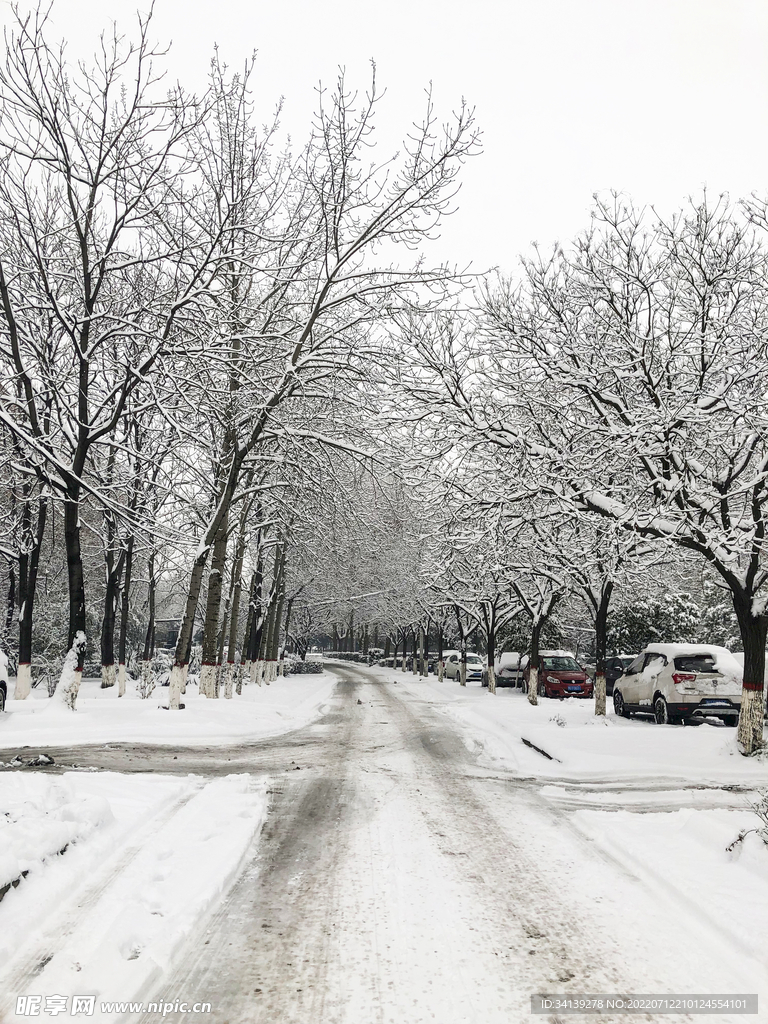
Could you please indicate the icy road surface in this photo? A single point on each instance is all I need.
(397, 881)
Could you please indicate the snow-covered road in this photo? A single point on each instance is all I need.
(397, 880)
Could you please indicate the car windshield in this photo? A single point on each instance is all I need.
(561, 664)
(695, 663)
(472, 659)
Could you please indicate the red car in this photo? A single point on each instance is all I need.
(560, 675)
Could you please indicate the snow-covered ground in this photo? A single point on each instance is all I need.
(103, 717)
(582, 746)
(661, 803)
(623, 830)
(149, 857)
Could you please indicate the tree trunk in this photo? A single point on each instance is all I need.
(275, 616)
(29, 563)
(753, 629)
(440, 659)
(245, 658)
(71, 674)
(533, 665)
(422, 663)
(257, 624)
(148, 651)
(10, 606)
(76, 584)
(122, 643)
(276, 654)
(212, 611)
(114, 571)
(601, 642)
(184, 641)
(235, 587)
(491, 644)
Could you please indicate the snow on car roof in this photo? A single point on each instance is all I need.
(722, 657)
(557, 654)
(508, 658)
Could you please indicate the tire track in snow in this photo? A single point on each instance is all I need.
(34, 955)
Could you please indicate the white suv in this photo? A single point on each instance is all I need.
(678, 682)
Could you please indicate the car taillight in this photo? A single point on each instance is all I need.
(683, 677)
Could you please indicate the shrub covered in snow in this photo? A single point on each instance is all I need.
(761, 830)
(312, 664)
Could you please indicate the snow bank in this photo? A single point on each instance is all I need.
(136, 897)
(40, 816)
(103, 717)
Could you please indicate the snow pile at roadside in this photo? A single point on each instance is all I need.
(580, 744)
(682, 855)
(135, 897)
(103, 717)
(40, 816)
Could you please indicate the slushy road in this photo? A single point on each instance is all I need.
(395, 881)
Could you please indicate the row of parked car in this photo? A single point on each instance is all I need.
(672, 682)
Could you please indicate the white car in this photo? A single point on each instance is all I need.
(681, 682)
(475, 666)
(508, 669)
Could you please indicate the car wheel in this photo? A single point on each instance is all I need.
(2, 700)
(619, 707)
(661, 712)
(542, 690)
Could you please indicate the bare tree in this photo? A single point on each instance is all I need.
(89, 295)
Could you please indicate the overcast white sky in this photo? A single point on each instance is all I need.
(654, 97)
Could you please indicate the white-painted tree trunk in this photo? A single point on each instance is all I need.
(107, 676)
(23, 682)
(244, 675)
(533, 685)
(121, 680)
(491, 680)
(69, 680)
(228, 673)
(207, 685)
(599, 693)
(177, 683)
(405, 658)
(257, 671)
(440, 670)
(750, 732)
